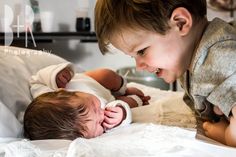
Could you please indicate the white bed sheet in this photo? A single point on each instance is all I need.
(145, 137)
(148, 140)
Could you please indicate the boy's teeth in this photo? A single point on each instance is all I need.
(157, 70)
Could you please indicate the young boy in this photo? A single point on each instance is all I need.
(77, 109)
(174, 40)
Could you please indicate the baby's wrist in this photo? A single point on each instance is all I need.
(122, 89)
(123, 111)
(137, 99)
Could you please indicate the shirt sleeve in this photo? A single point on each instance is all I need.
(222, 73)
(224, 95)
(128, 118)
(45, 79)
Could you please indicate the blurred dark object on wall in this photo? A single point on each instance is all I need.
(37, 21)
(83, 24)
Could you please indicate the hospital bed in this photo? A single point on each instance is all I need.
(164, 128)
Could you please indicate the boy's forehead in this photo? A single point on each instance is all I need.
(127, 39)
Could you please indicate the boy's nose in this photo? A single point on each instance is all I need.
(140, 65)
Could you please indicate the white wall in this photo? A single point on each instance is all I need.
(86, 55)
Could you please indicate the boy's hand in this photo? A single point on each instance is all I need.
(216, 131)
(224, 130)
(139, 93)
(63, 77)
(113, 116)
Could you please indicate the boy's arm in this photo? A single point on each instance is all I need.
(45, 79)
(224, 95)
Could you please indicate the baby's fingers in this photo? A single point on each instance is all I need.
(107, 125)
(61, 82)
(145, 103)
(146, 98)
(113, 109)
(109, 114)
(110, 120)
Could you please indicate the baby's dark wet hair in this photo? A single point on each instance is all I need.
(54, 115)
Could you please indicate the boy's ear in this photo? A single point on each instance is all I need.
(182, 19)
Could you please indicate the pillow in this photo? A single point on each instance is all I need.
(12, 129)
(16, 67)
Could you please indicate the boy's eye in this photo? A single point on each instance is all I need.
(141, 52)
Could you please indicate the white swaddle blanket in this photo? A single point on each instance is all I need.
(38, 148)
(136, 140)
(142, 138)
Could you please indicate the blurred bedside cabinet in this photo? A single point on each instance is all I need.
(23, 38)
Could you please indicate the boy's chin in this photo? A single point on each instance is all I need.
(169, 80)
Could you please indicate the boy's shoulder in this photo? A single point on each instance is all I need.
(215, 57)
(217, 39)
(219, 30)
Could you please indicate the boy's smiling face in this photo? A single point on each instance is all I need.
(168, 55)
(165, 55)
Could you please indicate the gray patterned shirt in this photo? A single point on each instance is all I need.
(212, 75)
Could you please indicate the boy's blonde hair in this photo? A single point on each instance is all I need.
(153, 15)
(53, 116)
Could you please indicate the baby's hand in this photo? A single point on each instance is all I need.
(139, 93)
(63, 77)
(113, 116)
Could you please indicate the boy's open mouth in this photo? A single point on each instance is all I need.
(158, 72)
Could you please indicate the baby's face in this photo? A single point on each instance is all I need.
(95, 117)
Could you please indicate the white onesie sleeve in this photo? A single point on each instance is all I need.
(128, 118)
(45, 79)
